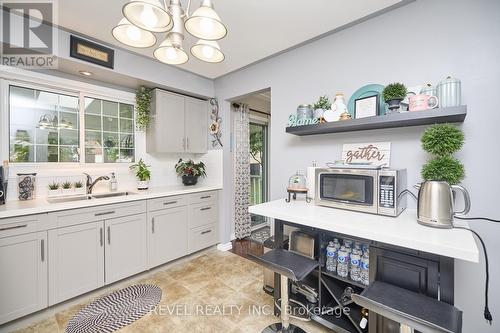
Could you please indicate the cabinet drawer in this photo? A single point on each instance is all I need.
(22, 225)
(210, 196)
(202, 237)
(202, 214)
(167, 202)
(83, 215)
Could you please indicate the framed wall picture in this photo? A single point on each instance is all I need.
(366, 107)
(91, 52)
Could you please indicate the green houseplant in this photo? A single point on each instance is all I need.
(321, 106)
(442, 141)
(67, 187)
(142, 173)
(393, 94)
(78, 185)
(190, 171)
(143, 107)
(54, 189)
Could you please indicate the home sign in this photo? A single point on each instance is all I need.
(294, 120)
(375, 153)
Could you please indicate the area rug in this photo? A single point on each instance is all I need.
(116, 310)
(260, 235)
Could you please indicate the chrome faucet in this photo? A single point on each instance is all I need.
(91, 184)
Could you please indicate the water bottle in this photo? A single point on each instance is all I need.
(336, 243)
(364, 247)
(364, 275)
(348, 249)
(355, 269)
(331, 257)
(348, 243)
(342, 263)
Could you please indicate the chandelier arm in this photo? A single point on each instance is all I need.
(186, 14)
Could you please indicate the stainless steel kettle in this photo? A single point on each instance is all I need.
(436, 201)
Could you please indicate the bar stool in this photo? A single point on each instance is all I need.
(290, 266)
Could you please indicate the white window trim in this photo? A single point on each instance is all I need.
(19, 77)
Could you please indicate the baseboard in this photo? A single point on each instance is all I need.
(233, 237)
(224, 246)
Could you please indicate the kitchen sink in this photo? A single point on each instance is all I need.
(111, 195)
(69, 198)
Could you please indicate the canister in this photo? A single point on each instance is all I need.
(449, 92)
(305, 111)
(428, 90)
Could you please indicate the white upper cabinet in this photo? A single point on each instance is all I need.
(178, 124)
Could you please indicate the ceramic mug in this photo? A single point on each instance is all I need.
(423, 102)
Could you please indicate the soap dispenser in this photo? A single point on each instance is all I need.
(113, 183)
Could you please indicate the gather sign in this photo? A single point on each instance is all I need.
(376, 153)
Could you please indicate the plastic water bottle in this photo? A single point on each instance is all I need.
(364, 275)
(355, 269)
(348, 249)
(331, 257)
(336, 243)
(342, 263)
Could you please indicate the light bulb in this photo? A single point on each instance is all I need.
(171, 53)
(133, 33)
(148, 17)
(206, 25)
(207, 51)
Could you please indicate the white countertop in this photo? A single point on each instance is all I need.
(37, 206)
(401, 231)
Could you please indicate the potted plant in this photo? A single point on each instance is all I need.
(321, 106)
(67, 187)
(54, 189)
(142, 173)
(442, 141)
(79, 187)
(190, 171)
(393, 94)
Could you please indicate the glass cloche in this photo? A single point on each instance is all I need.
(297, 182)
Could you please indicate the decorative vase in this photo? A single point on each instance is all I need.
(304, 111)
(142, 184)
(393, 105)
(189, 180)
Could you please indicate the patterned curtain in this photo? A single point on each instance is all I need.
(242, 222)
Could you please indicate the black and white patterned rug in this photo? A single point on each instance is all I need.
(116, 310)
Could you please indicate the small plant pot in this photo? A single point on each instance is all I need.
(142, 184)
(318, 113)
(68, 191)
(189, 180)
(80, 190)
(394, 104)
(54, 193)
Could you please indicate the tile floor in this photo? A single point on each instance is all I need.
(198, 296)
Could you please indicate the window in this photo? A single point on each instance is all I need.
(109, 131)
(45, 127)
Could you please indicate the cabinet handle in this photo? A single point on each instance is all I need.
(169, 203)
(104, 213)
(206, 208)
(14, 227)
(206, 197)
(153, 225)
(184, 143)
(42, 250)
(101, 236)
(206, 232)
(187, 140)
(109, 235)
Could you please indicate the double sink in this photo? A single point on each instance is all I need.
(89, 197)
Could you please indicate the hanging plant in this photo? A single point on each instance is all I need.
(143, 108)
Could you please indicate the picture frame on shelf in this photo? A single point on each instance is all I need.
(366, 107)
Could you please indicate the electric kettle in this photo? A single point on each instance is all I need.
(436, 201)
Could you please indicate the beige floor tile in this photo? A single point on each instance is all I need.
(44, 326)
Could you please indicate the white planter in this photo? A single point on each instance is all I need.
(68, 191)
(54, 193)
(142, 185)
(318, 113)
(80, 190)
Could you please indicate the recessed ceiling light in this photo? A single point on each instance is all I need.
(86, 73)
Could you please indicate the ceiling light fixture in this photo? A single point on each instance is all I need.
(86, 73)
(143, 18)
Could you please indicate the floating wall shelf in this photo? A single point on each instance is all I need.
(415, 118)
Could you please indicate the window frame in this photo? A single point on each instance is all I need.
(62, 86)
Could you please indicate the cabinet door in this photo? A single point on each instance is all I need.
(76, 260)
(126, 247)
(168, 230)
(166, 130)
(23, 275)
(196, 125)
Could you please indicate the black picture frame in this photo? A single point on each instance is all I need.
(377, 106)
(76, 41)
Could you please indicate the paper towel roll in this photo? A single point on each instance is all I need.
(311, 182)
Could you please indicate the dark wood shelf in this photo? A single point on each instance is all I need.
(414, 118)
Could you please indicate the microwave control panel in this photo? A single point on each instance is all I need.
(387, 191)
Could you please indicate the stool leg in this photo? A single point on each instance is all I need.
(285, 316)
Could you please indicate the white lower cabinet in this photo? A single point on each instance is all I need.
(168, 233)
(23, 275)
(76, 260)
(126, 247)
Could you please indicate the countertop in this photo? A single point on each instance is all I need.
(37, 206)
(401, 231)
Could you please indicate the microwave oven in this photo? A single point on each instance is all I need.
(376, 191)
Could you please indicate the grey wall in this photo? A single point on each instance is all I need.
(422, 42)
